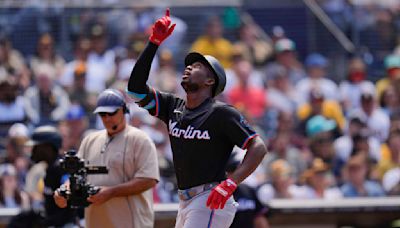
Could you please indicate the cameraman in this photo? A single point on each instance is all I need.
(125, 198)
(43, 178)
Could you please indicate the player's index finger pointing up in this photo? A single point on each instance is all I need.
(167, 12)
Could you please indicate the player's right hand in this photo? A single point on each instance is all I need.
(161, 29)
(60, 200)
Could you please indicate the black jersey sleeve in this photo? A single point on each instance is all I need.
(236, 127)
(157, 103)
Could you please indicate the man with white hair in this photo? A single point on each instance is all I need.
(45, 102)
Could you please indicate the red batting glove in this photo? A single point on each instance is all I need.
(161, 29)
(220, 194)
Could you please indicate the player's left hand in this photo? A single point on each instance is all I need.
(161, 29)
(220, 194)
(102, 196)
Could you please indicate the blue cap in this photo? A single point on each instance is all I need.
(76, 112)
(319, 124)
(109, 101)
(316, 60)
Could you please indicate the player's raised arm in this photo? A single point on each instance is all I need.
(161, 29)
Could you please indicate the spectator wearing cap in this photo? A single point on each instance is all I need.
(285, 55)
(212, 42)
(99, 48)
(357, 131)
(316, 65)
(280, 92)
(350, 88)
(392, 70)
(281, 148)
(78, 93)
(356, 182)
(321, 135)
(280, 184)
(319, 182)
(10, 194)
(318, 105)
(16, 151)
(46, 53)
(378, 122)
(76, 123)
(46, 102)
(95, 74)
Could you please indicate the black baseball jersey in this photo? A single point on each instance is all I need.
(202, 139)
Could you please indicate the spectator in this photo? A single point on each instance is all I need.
(77, 121)
(252, 46)
(285, 55)
(390, 100)
(377, 120)
(392, 71)
(96, 73)
(46, 102)
(45, 177)
(321, 138)
(10, 194)
(280, 93)
(282, 149)
(11, 104)
(317, 78)
(356, 184)
(250, 212)
(247, 97)
(350, 89)
(212, 42)
(45, 53)
(99, 51)
(357, 131)
(166, 79)
(318, 105)
(281, 184)
(13, 63)
(16, 151)
(391, 182)
(319, 182)
(393, 147)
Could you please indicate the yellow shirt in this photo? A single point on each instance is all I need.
(381, 85)
(385, 163)
(330, 110)
(221, 49)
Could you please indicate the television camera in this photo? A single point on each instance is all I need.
(79, 188)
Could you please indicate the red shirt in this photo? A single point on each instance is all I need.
(250, 99)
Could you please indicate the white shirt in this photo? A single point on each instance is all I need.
(12, 112)
(378, 123)
(96, 76)
(326, 86)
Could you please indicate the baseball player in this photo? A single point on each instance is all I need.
(202, 132)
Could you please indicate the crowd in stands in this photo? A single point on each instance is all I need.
(326, 138)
